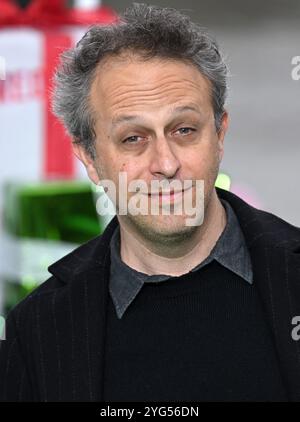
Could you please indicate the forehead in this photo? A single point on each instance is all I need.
(128, 83)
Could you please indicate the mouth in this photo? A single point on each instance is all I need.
(171, 195)
(167, 193)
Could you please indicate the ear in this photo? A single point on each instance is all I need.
(87, 160)
(221, 134)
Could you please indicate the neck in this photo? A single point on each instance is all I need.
(148, 258)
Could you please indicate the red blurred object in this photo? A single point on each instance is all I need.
(49, 19)
(41, 13)
(58, 160)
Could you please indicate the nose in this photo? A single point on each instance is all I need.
(164, 161)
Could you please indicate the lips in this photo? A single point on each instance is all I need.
(170, 195)
(167, 193)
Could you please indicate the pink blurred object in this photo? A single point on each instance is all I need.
(247, 193)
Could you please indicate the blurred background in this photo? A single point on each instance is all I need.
(47, 204)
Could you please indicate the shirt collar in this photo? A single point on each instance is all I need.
(230, 251)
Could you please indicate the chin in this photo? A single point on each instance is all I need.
(162, 226)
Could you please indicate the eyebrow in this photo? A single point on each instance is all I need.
(122, 118)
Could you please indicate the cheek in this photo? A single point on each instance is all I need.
(201, 160)
(110, 162)
(133, 168)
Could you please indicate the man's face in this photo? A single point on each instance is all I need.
(155, 121)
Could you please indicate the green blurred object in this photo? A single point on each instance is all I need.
(52, 210)
(43, 222)
(223, 181)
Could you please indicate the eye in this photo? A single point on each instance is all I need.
(131, 139)
(186, 129)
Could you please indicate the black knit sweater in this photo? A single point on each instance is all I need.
(198, 337)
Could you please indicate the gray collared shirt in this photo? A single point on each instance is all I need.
(230, 250)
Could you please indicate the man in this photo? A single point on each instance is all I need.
(155, 309)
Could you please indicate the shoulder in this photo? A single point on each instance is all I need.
(280, 232)
(22, 312)
(262, 225)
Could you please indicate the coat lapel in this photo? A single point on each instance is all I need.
(274, 247)
(277, 274)
(77, 315)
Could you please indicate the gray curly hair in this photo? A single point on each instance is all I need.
(152, 32)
